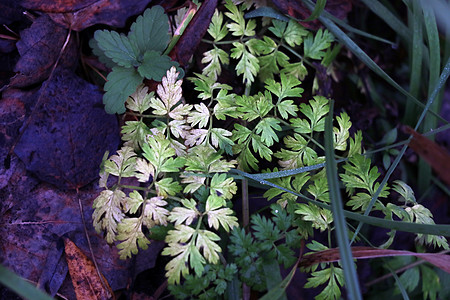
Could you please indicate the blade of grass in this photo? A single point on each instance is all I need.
(442, 80)
(273, 277)
(389, 18)
(397, 225)
(415, 18)
(358, 52)
(424, 171)
(20, 286)
(337, 208)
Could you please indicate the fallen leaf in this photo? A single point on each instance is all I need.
(69, 133)
(79, 15)
(431, 152)
(296, 9)
(441, 261)
(39, 47)
(88, 282)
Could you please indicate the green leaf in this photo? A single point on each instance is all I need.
(255, 106)
(217, 215)
(167, 186)
(150, 32)
(298, 70)
(140, 100)
(332, 276)
(108, 62)
(200, 116)
(359, 174)
(134, 134)
(214, 59)
(342, 134)
(177, 247)
(219, 139)
(131, 235)
(223, 186)
(154, 212)
(300, 154)
(320, 218)
(122, 82)
(287, 88)
(248, 64)
(186, 214)
(122, 164)
(314, 45)
(238, 27)
(133, 202)
(117, 47)
(266, 128)
(206, 242)
(431, 284)
(216, 28)
(315, 111)
(154, 65)
(293, 33)
(270, 59)
(107, 213)
(405, 191)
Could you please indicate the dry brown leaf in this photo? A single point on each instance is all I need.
(432, 153)
(85, 278)
(442, 261)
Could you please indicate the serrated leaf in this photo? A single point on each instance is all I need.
(122, 82)
(107, 213)
(342, 134)
(154, 212)
(144, 170)
(108, 62)
(219, 139)
(134, 134)
(331, 276)
(405, 191)
(266, 128)
(216, 28)
(140, 100)
(248, 64)
(200, 116)
(122, 164)
(206, 243)
(150, 31)
(315, 111)
(154, 65)
(131, 235)
(186, 214)
(239, 26)
(196, 137)
(222, 216)
(314, 45)
(287, 87)
(214, 59)
(117, 47)
(133, 202)
(207, 84)
(294, 33)
(167, 186)
(287, 107)
(224, 186)
(320, 218)
(298, 70)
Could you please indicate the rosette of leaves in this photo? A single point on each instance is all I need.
(133, 57)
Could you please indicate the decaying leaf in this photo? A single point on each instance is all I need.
(85, 277)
